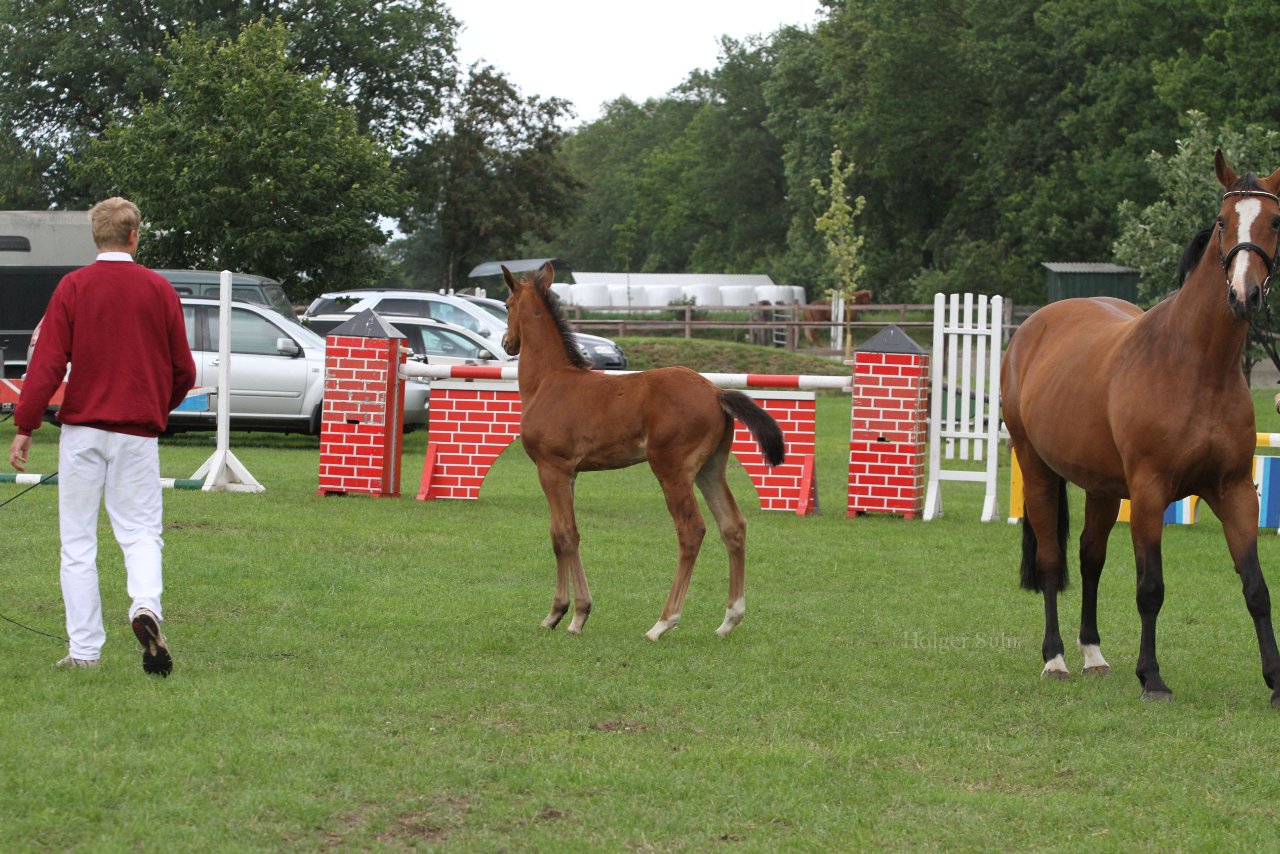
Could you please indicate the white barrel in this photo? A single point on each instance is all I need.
(773, 294)
(798, 294)
(738, 294)
(591, 295)
(564, 291)
(626, 295)
(662, 295)
(704, 294)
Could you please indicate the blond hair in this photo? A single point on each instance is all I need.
(113, 219)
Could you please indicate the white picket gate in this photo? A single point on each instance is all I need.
(964, 414)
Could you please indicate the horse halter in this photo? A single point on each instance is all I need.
(1271, 261)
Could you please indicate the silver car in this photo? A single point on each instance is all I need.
(277, 371)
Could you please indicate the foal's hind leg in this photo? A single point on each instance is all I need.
(1099, 518)
(690, 529)
(733, 533)
(557, 486)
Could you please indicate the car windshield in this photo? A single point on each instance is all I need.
(498, 310)
(277, 300)
(254, 333)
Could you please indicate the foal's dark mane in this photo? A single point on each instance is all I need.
(552, 303)
(1195, 249)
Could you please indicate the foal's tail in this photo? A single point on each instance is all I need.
(1031, 579)
(761, 424)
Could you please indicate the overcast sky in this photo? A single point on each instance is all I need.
(592, 51)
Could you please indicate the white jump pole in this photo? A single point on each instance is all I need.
(222, 472)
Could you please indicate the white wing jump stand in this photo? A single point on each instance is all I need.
(222, 472)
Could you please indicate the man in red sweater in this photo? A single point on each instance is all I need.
(120, 327)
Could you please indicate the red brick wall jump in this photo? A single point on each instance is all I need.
(790, 486)
(473, 422)
(362, 420)
(890, 428)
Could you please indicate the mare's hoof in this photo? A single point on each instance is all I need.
(1057, 675)
(1097, 670)
(1275, 700)
(1149, 696)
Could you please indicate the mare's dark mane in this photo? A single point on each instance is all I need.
(1191, 255)
(552, 302)
(1195, 249)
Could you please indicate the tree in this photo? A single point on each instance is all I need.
(487, 183)
(246, 163)
(1152, 237)
(838, 227)
(69, 70)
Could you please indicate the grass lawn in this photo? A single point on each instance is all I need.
(369, 674)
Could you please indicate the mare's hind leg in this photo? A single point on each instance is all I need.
(1099, 518)
(557, 486)
(690, 529)
(1238, 510)
(733, 533)
(1045, 497)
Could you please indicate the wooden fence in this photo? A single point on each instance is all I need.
(783, 326)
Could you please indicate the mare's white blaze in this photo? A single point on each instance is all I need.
(661, 627)
(732, 616)
(1055, 665)
(1247, 210)
(1093, 656)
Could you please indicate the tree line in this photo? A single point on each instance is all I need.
(987, 136)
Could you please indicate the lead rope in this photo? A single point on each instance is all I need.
(2, 504)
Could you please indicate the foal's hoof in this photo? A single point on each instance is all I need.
(1056, 675)
(661, 627)
(1097, 670)
(1149, 696)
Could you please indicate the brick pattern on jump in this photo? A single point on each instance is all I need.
(473, 422)
(889, 432)
(362, 420)
(790, 486)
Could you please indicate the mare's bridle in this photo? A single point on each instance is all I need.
(1272, 261)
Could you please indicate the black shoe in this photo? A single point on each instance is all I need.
(155, 651)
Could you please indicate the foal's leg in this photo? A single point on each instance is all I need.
(1146, 515)
(677, 486)
(733, 533)
(1099, 518)
(1043, 493)
(557, 486)
(1238, 510)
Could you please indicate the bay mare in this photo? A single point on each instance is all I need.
(574, 420)
(1151, 407)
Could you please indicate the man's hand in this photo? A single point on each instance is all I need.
(18, 452)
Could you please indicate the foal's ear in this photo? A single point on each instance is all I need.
(545, 276)
(507, 277)
(1226, 175)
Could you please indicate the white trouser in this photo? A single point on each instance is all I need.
(126, 470)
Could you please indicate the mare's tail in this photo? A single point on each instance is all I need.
(761, 424)
(1031, 579)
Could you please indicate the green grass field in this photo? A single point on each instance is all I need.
(369, 674)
